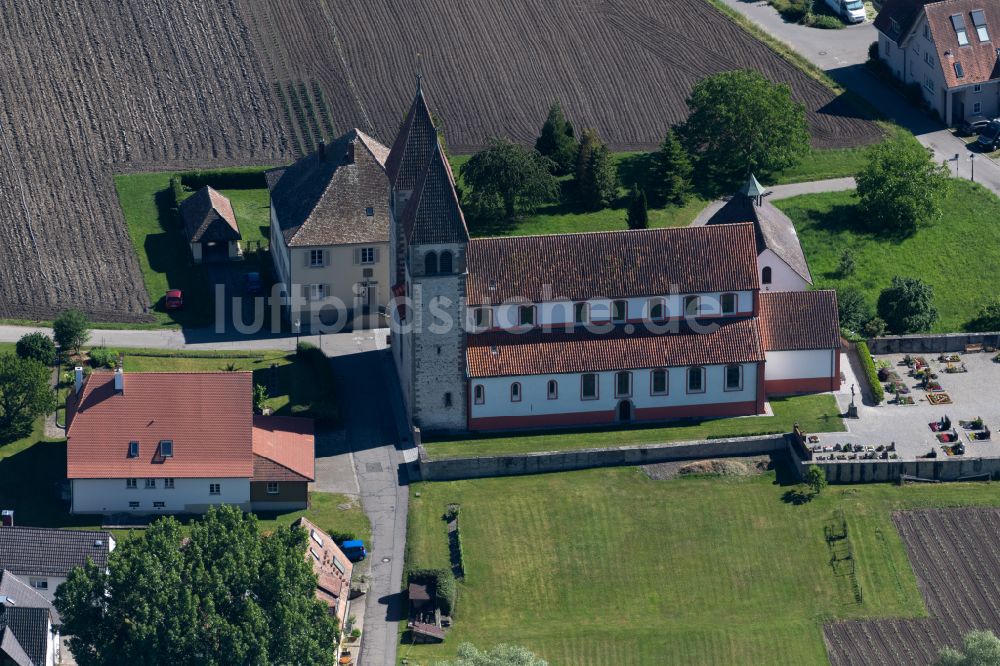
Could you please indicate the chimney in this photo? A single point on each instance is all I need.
(322, 149)
(119, 380)
(7, 518)
(77, 379)
(349, 156)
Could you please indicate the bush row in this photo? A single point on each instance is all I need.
(443, 581)
(458, 555)
(224, 179)
(871, 374)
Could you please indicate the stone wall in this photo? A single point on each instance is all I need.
(941, 469)
(931, 344)
(451, 469)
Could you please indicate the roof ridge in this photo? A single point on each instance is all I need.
(610, 232)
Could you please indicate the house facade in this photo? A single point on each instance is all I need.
(151, 443)
(948, 50)
(42, 557)
(574, 329)
(329, 233)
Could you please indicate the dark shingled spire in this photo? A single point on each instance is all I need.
(433, 214)
(413, 146)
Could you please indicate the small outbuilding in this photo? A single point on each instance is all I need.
(210, 226)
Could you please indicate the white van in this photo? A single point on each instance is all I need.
(852, 11)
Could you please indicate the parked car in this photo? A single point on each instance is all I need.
(973, 125)
(252, 283)
(852, 11)
(354, 550)
(989, 137)
(174, 299)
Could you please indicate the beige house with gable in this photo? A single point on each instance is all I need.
(330, 233)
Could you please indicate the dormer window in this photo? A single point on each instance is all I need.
(619, 311)
(728, 304)
(370, 211)
(581, 313)
(657, 309)
(692, 306)
(133, 449)
(167, 448)
(979, 21)
(526, 315)
(483, 318)
(958, 22)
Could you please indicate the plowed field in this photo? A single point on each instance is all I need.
(955, 555)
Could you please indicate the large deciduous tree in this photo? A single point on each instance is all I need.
(37, 346)
(979, 648)
(900, 188)
(227, 595)
(71, 330)
(510, 178)
(596, 175)
(500, 655)
(557, 141)
(907, 305)
(853, 309)
(740, 123)
(25, 394)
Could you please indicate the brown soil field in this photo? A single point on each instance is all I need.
(93, 87)
(955, 557)
(492, 68)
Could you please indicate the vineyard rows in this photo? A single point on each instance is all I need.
(954, 556)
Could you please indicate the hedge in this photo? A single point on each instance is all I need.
(318, 363)
(871, 374)
(445, 588)
(225, 179)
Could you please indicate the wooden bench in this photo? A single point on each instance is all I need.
(978, 347)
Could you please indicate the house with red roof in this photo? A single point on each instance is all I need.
(162, 442)
(333, 571)
(946, 48)
(593, 328)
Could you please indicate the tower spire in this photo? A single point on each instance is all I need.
(420, 73)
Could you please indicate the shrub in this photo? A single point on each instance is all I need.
(177, 191)
(71, 331)
(225, 179)
(988, 319)
(871, 374)
(340, 537)
(826, 22)
(873, 56)
(815, 479)
(102, 357)
(444, 585)
(907, 305)
(37, 346)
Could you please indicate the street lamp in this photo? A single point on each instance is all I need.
(298, 328)
(972, 167)
(955, 160)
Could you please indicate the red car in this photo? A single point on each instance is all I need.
(174, 299)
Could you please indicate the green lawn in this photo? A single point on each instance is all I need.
(959, 255)
(162, 251)
(814, 413)
(606, 566)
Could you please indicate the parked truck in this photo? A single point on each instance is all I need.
(852, 11)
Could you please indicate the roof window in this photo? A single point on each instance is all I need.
(979, 20)
(958, 22)
(959, 72)
(133, 449)
(167, 448)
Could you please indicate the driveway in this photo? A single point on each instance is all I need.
(842, 54)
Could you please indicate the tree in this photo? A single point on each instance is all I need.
(988, 319)
(25, 394)
(979, 648)
(596, 176)
(260, 397)
(815, 479)
(671, 171)
(847, 263)
(874, 328)
(907, 306)
(740, 123)
(71, 330)
(500, 655)
(900, 188)
(37, 346)
(638, 215)
(228, 595)
(510, 177)
(853, 309)
(557, 141)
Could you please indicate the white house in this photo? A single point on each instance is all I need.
(948, 50)
(150, 442)
(29, 634)
(330, 232)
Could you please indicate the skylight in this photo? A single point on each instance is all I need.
(979, 20)
(167, 448)
(959, 72)
(958, 22)
(316, 537)
(133, 449)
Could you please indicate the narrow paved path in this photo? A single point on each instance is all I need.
(783, 192)
(842, 54)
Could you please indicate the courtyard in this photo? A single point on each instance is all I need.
(961, 390)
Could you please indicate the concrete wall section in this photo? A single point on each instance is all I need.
(940, 469)
(931, 344)
(562, 461)
(187, 495)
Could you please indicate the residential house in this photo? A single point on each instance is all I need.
(148, 442)
(781, 264)
(948, 50)
(577, 329)
(333, 571)
(210, 226)
(28, 625)
(330, 233)
(42, 557)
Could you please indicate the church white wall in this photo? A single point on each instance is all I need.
(783, 278)
(800, 364)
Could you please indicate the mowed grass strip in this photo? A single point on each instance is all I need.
(606, 566)
(958, 255)
(814, 413)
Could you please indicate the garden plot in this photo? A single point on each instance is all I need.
(954, 556)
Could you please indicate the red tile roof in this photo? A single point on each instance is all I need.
(334, 585)
(500, 354)
(209, 216)
(978, 59)
(613, 264)
(791, 320)
(283, 448)
(207, 415)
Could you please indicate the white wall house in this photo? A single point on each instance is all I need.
(158, 495)
(777, 275)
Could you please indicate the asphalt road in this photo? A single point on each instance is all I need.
(841, 54)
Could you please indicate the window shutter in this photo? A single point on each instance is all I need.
(376, 253)
(305, 258)
(326, 257)
(357, 255)
(326, 291)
